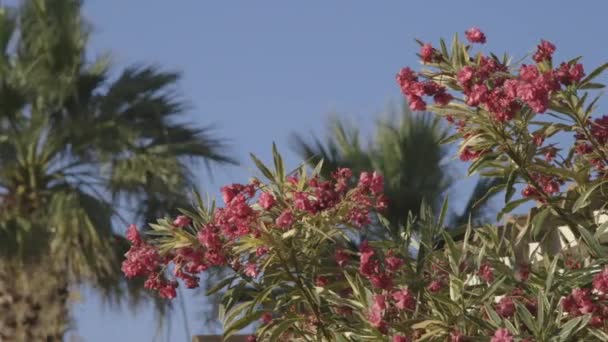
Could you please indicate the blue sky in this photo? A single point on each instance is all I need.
(260, 70)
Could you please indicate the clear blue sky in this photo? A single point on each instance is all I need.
(260, 70)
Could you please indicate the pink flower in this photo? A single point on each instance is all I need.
(528, 73)
(376, 313)
(321, 281)
(133, 235)
(381, 281)
(456, 336)
(381, 203)
(251, 270)
(168, 290)
(392, 262)
(568, 74)
(260, 251)
(427, 53)
(529, 192)
(600, 281)
(505, 307)
(182, 221)
(538, 139)
(550, 154)
(252, 338)
(467, 154)
(596, 321)
(522, 273)
(406, 76)
(141, 260)
(478, 95)
(442, 98)
(400, 338)
(377, 183)
(551, 187)
(342, 257)
(285, 220)
(404, 299)
(365, 179)
(577, 72)
(502, 335)
(435, 286)
(465, 75)
(228, 193)
(417, 104)
(266, 318)
(266, 200)
(474, 35)
(544, 51)
(486, 273)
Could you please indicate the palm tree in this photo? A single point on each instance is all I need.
(80, 151)
(406, 149)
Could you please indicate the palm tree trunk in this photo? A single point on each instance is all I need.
(33, 303)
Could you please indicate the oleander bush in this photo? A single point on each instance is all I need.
(300, 270)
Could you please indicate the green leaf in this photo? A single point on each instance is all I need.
(280, 328)
(592, 243)
(490, 192)
(289, 233)
(241, 323)
(222, 284)
(510, 207)
(526, 317)
(583, 200)
(450, 139)
(443, 213)
(551, 274)
(595, 73)
(492, 289)
(567, 329)
(278, 164)
(265, 171)
(510, 188)
(317, 169)
(591, 86)
(537, 222)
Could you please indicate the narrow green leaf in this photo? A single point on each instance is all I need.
(583, 200)
(592, 243)
(443, 213)
(537, 222)
(265, 171)
(509, 207)
(595, 73)
(280, 328)
(220, 285)
(510, 185)
(526, 317)
(551, 274)
(241, 323)
(278, 164)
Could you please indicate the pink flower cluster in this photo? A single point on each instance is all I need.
(379, 274)
(487, 84)
(598, 129)
(548, 184)
(506, 305)
(381, 310)
(474, 35)
(583, 301)
(142, 260)
(239, 218)
(415, 90)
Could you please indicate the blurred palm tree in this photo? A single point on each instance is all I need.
(406, 149)
(79, 151)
